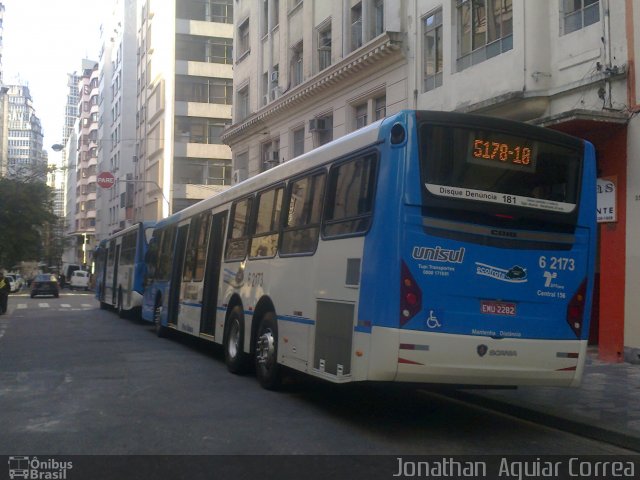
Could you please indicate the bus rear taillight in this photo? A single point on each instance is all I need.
(410, 296)
(575, 309)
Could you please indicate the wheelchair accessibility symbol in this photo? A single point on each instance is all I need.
(432, 320)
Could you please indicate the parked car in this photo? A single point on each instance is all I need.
(45, 284)
(13, 283)
(79, 279)
(19, 281)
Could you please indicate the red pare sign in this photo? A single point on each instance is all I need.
(105, 180)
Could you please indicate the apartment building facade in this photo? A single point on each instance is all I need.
(117, 117)
(81, 218)
(308, 71)
(184, 80)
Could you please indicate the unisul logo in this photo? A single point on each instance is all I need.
(33, 468)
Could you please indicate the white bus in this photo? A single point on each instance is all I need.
(427, 247)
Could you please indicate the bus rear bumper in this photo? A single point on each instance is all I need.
(425, 357)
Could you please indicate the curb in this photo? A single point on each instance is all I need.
(624, 439)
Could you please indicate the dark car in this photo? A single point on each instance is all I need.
(45, 284)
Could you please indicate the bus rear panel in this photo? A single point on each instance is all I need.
(496, 246)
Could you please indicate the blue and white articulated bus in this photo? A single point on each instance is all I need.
(427, 247)
(121, 269)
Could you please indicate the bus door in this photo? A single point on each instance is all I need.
(103, 274)
(114, 285)
(176, 274)
(212, 275)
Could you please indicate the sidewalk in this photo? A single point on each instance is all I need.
(605, 407)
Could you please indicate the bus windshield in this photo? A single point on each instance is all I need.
(481, 165)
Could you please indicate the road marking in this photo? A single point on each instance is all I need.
(21, 306)
(65, 305)
(43, 305)
(86, 305)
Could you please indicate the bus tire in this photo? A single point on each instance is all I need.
(234, 355)
(268, 371)
(161, 330)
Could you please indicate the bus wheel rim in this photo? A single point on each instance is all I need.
(266, 349)
(234, 339)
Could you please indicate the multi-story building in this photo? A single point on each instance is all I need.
(184, 103)
(117, 117)
(71, 253)
(4, 106)
(308, 71)
(83, 227)
(25, 137)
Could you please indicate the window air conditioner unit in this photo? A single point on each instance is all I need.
(274, 76)
(317, 124)
(265, 99)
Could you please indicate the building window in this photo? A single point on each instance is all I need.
(202, 171)
(219, 11)
(432, 48)
(265, 18)
(380, 107)
(298, 142)
(296, 64)
(205, 10)
(356, 27)
(270, 154)
(204, 89)
(241, 167)
(275, 9)
(360, 113)
(275, 76)
(243, 38)
(485, 29)
(322, 129)
(201, 129)
(243, 103)
(204, 49)
(265, 88)
(324, 47)
(577, 14)
(378, 18)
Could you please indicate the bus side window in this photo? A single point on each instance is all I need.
(264, 242)
(238, 237)
(165, 257)
(350, 195)
(127, 255)
(201, 247)
(190, 255)
(151, 258)
(301, 228)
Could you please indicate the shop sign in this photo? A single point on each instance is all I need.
(606, 199)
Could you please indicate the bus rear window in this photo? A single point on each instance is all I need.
(496, 167)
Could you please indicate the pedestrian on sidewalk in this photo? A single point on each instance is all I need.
(5, 289)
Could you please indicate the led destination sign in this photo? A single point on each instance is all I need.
(502, 151)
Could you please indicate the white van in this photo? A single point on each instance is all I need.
(79, 279)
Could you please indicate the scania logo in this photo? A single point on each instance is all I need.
(503, 233)
(482, 350)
